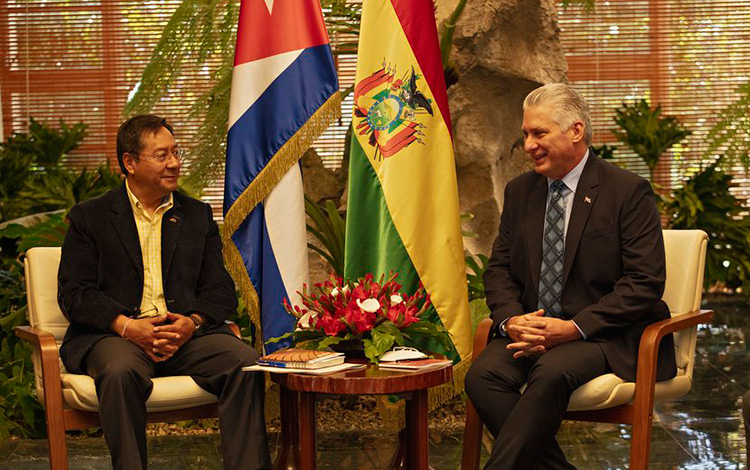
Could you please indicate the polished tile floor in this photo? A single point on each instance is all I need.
(700, 431)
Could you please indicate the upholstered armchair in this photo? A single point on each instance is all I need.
(70, 400)
(610, 399)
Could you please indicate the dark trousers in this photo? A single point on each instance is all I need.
(524, 425)
(122, 373)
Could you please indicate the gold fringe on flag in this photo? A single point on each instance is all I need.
(287, 156)
(272, 402)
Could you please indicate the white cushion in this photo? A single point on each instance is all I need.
(685, 254)
(605, 391)
(169, 393)
(42, 264)
(671, 389)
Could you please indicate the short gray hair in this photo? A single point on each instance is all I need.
(566, 106)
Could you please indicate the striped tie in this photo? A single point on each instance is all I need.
(553, 247)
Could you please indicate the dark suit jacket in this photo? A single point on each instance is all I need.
(101, 270)
(613, 268)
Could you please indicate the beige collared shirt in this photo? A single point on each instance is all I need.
(149, 235)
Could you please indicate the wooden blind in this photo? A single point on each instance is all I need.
(330, 145)
(80, 60)
(689, 56)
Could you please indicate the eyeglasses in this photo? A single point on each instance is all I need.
(162, 157)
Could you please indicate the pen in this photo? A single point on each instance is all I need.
(272, 363)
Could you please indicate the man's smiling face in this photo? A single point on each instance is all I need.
(146, 175)
(552, 149)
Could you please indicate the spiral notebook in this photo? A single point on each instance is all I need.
(296, 358)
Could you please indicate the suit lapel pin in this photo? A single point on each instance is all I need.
(587, 199)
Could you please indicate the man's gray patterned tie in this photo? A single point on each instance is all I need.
(553, 248)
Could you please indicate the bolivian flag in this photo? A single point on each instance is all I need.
(403, 213)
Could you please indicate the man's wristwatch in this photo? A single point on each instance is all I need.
(198, 320)
(503, 329)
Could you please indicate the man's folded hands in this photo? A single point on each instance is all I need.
(533, 333)
(159, 336)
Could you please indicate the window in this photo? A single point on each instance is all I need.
(80, 60)
(689, 56)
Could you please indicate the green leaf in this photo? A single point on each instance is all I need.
(371, 351)
(383, 337)
(15, 318)
(432, 330)
(322, 342)
(644, 130)
(706, 202)
(34, 179)
(475, 277)
(478, 311)
(730, 135)
(330, 340)
(49, 233)
(280, 338)
(329, 228)
(304, 335)
(313, 344)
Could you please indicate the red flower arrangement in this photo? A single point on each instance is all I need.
(374, 312)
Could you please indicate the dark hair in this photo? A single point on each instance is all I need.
(130, 132)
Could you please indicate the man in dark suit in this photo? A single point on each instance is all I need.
(576, 274)
(147, 295)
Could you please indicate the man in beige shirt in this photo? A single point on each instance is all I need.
(143, 284)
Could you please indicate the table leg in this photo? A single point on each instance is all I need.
(289, 431)
(417, 432)
(307, 424)
(399, 457)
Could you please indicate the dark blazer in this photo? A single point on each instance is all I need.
(101, 270)
(613, 267)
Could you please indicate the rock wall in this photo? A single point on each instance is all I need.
(502, 49)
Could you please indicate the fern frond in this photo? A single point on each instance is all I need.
(730, 135)
(190, 37)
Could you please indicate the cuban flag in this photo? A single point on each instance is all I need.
(284, 94)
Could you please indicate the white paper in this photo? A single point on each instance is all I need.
(289, 370)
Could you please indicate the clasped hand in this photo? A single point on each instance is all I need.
(534, 333)
(160, 337)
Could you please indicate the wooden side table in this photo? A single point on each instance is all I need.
(298, 420)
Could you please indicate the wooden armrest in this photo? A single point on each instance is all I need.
(51, 393)
(681, 322)
(235, 328)
(42, 340)
(44, 343)
(481, 336)
(648, 350)
(648, 353)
